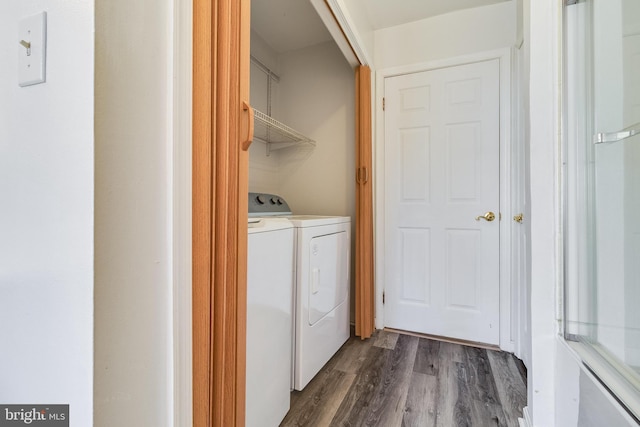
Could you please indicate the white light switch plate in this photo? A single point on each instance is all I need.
(31, 61)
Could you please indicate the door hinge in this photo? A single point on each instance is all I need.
(383, 297)
(383, 104)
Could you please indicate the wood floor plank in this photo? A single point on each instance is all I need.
(449, 352)
(323, 397)
(447, 383)
(388, 405)
(427, 357)
(488, 415)
(484, 398)
(481, 382)
(421, 406)
(462, 408)
(354, 405)
(512, 390)
(386, 339)
(521, 368)
(352, 355)
(469, 411)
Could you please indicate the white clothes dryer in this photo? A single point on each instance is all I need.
(322, 292)
(321, 286)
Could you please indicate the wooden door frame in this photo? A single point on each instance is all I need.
(222, 127)
(507, 289)
(521, 204)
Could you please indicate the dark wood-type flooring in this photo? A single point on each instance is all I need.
(402, 380)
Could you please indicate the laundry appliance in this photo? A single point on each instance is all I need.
(321, 287)
(270, 269)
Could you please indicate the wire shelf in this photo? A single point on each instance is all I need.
(271, 131)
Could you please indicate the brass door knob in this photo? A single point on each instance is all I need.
(518, 218)
(489, 216)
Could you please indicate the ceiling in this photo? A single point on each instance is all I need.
(389, 13)
(288, 25)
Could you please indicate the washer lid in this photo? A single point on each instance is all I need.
(263, 225)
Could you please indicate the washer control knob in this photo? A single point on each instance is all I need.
(260, 199)
(274, 200)
(279, 201)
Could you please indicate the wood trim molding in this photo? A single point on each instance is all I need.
(364, 247)
(220, 175)
(203, 16)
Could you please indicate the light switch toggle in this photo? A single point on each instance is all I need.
(32, 47)
(27, 46)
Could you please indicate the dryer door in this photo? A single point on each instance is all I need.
(328, 274)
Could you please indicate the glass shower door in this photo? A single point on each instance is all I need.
(602, 197)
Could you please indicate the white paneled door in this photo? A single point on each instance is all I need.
(442, 182)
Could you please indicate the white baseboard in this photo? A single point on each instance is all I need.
(526, 420)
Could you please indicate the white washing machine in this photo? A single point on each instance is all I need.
(321, 297)
(270, 275)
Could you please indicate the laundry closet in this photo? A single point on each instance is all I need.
(301, 204)
(312, 91)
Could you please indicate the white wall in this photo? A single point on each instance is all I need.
(544, 145)
(133, 190)
(46, 213)
(445, 36)
(520, 21)
(263, 170)
(317, 97)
